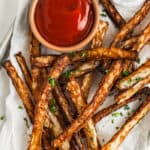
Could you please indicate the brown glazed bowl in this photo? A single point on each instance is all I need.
(63, 49)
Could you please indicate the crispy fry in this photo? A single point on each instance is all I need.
(43, 61)
(143, 39)
(113, 13)
(86, 84)
(129, 43)
(80, 70)
(108, 110)
(21, 89)
(41, 107)
(119, 137)
(128, 27)
(140, 73)
(103, 53)
(99, 36)
(132, 90)
(89, 129)
(26, 73)
(98, 99)
(67, 111)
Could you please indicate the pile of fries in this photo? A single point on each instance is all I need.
(56, 90)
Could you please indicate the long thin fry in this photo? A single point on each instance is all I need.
(108, 110)
(128, 27)
(80, 70)
(132, 90)
(103, 53)
(140, 73)
(43, 61)
(113, 13)
(26, 73)
(119, 137)
(86, 84)
(88, 112)
(67, 111)
(104, 88)
(89, 129)
(41, 107)
(22, 90)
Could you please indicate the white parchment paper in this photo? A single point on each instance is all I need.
(14, 134)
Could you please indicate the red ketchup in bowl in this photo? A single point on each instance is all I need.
(64, 22)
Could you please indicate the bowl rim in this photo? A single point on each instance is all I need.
(63, 49)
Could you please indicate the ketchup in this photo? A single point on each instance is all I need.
(64, 22)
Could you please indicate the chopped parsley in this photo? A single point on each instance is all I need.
(138, 79)
(106, 71)
(121, 114)
(116, 114)
(117, 128)
(67, 74)
(26, 122)
(138, 61)
(140, 99)
(129, 113)
(112, 121)
(73, 54)
(2, 118)
(53, 106)
(125, 73)
(126, 107)
(103, 13)
(83, 54)
(20, 107)
(129, 81)
(52, 81)
(91, 138)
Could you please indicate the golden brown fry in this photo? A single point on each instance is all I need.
(43, 61)
(108, 110)
(142, 72)
(113, 13)
(86, 84)
(21, 89)
(89, 129)
(103, 53)
(67, 110)
(143, 39)
(26, 73)
(132, 90)
(129, 43)
(128, 27)
(41, 106)
(80, 70)
(99, 36)
(98, 99)
(119, 137)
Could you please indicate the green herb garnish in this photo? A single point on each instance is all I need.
(53, 106)
(112, 121)
(83, 54)
(20, 107)
(138, 79)
(52, 81)
(73, 54)
(106, 71)
(117, 128)
(67, 74)
(129, 81)
(126, 107)
(116, 114)
(2, 118)
(138, 61)
(103, 13)
(121, 114)
(125, 73)
(91, 138)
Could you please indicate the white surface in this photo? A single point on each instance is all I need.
(8, 9)
(13, 131)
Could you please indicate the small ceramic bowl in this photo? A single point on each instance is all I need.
(63, 49)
